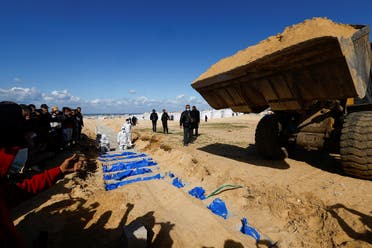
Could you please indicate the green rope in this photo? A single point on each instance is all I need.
(222, 188)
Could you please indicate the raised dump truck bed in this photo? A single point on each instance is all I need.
(308, 75)
(291, 78)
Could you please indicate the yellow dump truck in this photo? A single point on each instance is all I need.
(316, 82)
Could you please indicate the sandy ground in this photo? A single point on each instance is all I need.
(304, 201)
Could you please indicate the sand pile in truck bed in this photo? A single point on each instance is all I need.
(308, 29)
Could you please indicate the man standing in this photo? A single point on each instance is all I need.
(56, 118)
(154, 118)
(44, 124)
(195, 114)
(164, 121)
(79, 122)
(67, 125)
(186, 121)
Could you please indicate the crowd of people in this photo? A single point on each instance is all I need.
(16, 124)
(47, 132)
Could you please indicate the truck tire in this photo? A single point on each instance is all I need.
(267, 138)
(356, 144)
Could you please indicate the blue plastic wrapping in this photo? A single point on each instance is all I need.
(218, 207)
(122, 157)
(116, 154)
(171, 175)
(112, 186)
(127, 173)
(198, 192)
(248, 230)
(178, 183)
(157, 176)
(128, 165)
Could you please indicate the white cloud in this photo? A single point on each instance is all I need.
(62, 98)
(132, 92)
(62, 95)
(182, 96)
(19, 94)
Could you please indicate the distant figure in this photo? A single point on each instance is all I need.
(195, 115)
(79, 122)
(154, 118)
(186, 122)
(124, 137)
(206, 118)
(164, 121)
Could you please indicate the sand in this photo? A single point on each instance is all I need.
(308, 29)
(305, 201)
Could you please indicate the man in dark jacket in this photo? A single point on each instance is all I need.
(164, 121)
(11, 131)
(154, 118)
(56, 118)
(195, 114)
(186, 122)
(44, 124)
(79, 122)
(67, 125)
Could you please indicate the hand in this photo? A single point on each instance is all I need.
(71, 164)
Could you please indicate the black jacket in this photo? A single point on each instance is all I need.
(164, 117)
(186, 119)
(79, 119)
(195, 114)
(154, 116)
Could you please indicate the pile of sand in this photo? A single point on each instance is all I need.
(308, 29)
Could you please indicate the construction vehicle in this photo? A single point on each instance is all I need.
(319, 92)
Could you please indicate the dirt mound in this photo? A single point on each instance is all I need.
(308, 29)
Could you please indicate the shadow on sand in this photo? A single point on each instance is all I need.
(351, 232)
(74, 223)
(318, 159)
(245, 155)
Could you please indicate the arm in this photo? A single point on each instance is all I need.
(41, 181)
(45, 180)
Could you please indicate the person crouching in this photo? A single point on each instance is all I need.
(124, 137)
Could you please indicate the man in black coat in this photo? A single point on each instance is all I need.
(79, 122)
(186, 122)
(195, 114)
(164, 121)
(154, 118)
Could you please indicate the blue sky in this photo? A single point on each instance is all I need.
(132, 56)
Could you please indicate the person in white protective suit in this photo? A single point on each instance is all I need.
(124, 137)
(104, 143)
